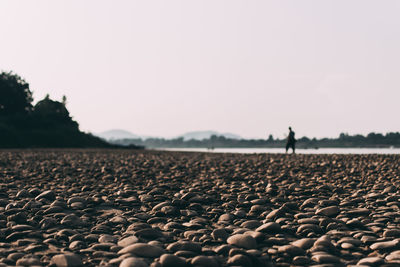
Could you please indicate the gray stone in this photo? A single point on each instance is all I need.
(242, 241)
(170, 260)
(207, 261)
(128, 241)
(133, 262)
(66, 260)
(269, 228)
(143, 250)
(331, 211)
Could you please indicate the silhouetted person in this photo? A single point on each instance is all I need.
(291, 141)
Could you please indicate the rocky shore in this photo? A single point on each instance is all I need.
(148, 208)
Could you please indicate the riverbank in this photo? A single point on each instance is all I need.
(282, 150)
(119, 207)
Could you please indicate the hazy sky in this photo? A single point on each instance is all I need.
(248, 67)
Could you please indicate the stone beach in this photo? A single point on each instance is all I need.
(156, 208)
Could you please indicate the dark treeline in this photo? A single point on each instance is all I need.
(344, 140)
(46, 124)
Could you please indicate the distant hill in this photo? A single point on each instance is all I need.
(200, 135)
(117, 134)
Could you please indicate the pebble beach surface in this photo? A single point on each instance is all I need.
(156, 208)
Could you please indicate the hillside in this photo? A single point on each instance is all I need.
(117, 134)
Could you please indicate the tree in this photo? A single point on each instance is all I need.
(53, 113)
(15, 95)
(64, 100)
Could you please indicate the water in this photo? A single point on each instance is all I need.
(298, 151)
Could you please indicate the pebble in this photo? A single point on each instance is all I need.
(142, 250)
(270, 228)
(170, 260)
(133, 262)
(325, 258)
(371, 261)
(28, 261)
(243, 241)
(66, 260)
(304, 243)
(291, 250)
(157, 208)
(385, 245)
(240, 260)
(184, 245)
(395, 255)
(206, 261)
(128, 241)
(48, 194)
(220, 234)
(328, 211)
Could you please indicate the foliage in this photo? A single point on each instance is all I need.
(47, 124)
(15, 96)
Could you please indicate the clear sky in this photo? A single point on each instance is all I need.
(252, 68)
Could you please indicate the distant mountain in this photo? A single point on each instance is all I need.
(117, 134)
(200, 135)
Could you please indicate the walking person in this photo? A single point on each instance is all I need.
(291, 141)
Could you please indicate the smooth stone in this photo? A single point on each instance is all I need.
(143, 250)
(148, 233)
(301, 260)
(207, 261)
(170, 260)
(292, 250)
(391, 233)
(331, 211)
(304, 243)
(358, 211)
(71, 220)
(227, 217)
(252, 224)
(50, 195)
(185, 254)
(66, 260)
(76, 245)
(395, 255)
(118, 220)
(28, 261)
(308, 221)
(274, 214)
(385, 245)
(243, 241)
(133, 262)
(347, 246)
(15, 256)
(78, 205)
(23, 193)
(325, 258)
(21, 227)
(309, 228)
(76, 199)
(269, 228)
(220, 234)
(223, 249)
(128, 241)
(350, 240)
(240, 260)
(184, 245)
(371, 261)
(107, 239)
